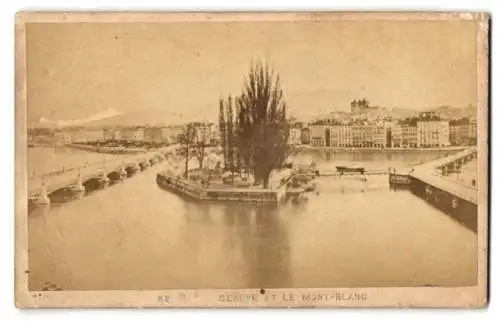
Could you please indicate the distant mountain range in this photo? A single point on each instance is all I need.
(48, 123)
(152, 117)
(142, 118)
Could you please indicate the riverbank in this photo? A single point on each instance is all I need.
(358, 149)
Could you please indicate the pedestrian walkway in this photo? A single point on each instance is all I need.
(427, 173)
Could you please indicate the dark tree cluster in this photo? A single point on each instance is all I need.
(460, 121)
(187, 142)
(412, 121)
(254, 129)
(363, 103)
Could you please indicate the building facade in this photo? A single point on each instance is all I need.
(203, 133)
(295, 136)
(473, 132)
(345, 136)
(404, 136)
(318, 134)
(305, 135)
(433, 133)
(88, 135)
(154, 135)
(133, 134)
(459, 134)
(62, 137)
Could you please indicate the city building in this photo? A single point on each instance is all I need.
(305, 135)
(459, 133)
(295, 135)
(379, 137)
(388, 126)
(334, 140)
(358, 135)
(176, 131)
(133, 134)
(62, 137)
(433, 133)
(473, 132)
(109, 134)
(404, 136)
(168, 135)
(345, 135)
(317, 142)
(349, 135)
(154, 135)
(203, 132)
(118, 134)
(318, 134)
(88, 135)
(215, 136)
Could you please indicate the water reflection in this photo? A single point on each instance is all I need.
(372, 159)
(263, 242)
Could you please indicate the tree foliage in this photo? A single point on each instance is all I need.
(230, 135)
(201, 138)
(186, 141)
(262, 125)
(222, 129)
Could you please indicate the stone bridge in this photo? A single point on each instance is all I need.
(40, 186)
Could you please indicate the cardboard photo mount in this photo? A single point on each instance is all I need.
(397, 297)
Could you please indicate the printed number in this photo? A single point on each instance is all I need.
(40, 296)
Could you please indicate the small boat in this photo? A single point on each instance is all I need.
(342, 169)
(399, 179)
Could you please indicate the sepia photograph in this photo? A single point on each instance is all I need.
(251, 159)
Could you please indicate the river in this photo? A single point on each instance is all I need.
(136, 236)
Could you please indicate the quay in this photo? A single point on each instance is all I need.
(430, 182)
(79, 179)
(194, 191)
(301, 147)
(365, 173)
(106, 149)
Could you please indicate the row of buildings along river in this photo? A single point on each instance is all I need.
(423, 131)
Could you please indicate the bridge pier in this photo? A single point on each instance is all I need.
(97, 183)
(78, 185)
(104, 180)
(117, 175)
(132, 169)
(41, 198)
(144, 164)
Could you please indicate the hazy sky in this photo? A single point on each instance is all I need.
(75, 70)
